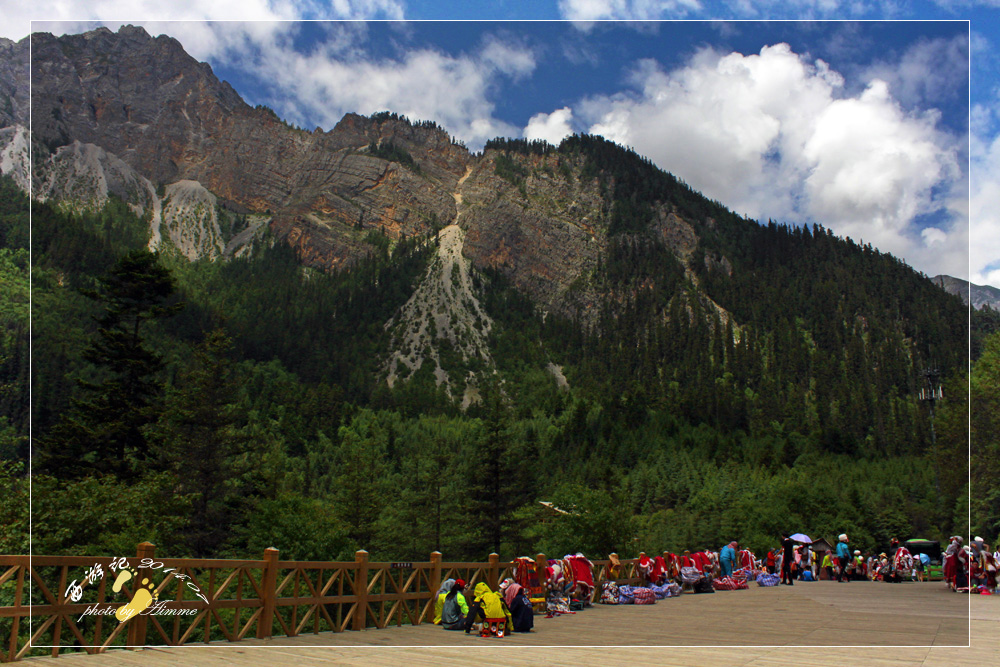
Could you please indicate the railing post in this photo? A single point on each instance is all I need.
(137, 630)
(435, 583)
(494, 573)
(268, 586)
(360, 589)
(541, 562)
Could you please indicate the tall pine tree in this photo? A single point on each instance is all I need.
(103, 431)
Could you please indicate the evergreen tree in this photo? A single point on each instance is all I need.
(501, 481)
(200, 442)
(104, 429)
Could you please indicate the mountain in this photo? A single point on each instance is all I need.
(598, 260)
(384, 333)
(981, 295)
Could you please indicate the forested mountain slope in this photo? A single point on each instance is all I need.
(372, 332)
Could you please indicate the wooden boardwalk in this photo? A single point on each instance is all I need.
(892, 625)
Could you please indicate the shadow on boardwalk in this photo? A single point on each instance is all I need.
(885, 624)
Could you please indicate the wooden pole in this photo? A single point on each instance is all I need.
(360, 589)
(541, 562)
(435, 583)
(494, 573)
(136, 637)
(268, 586)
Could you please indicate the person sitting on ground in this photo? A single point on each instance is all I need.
(487, 605)
(455, 611)
(521, 613)
(443, 591)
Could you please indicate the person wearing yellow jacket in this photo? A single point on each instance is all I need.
(439, 600)
(486, 605)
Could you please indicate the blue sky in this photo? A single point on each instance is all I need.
(860, 125)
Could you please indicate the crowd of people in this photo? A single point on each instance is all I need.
(970, 568)
(966, 569)
(509, 608)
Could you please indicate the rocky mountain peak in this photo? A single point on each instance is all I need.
(980, 296)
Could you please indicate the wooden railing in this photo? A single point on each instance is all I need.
(225, 599)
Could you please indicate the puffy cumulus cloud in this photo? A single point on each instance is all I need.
(774, 135)
(984, 214)
(872, 169)
(551, 127)
(69, 17)
(424, 84)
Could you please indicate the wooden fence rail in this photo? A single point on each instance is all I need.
(48, 602)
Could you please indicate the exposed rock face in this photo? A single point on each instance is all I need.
(14, 152)
(13, 82)
(83, 176)
(163, 113)
(980, 295)
(542, 236)
(443, 308)
(191, 221)
(130, 115)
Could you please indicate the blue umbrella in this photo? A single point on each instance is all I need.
(799, 537)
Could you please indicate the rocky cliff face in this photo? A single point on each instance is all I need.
(133, 116)
(14, 152)
(13, 82)
(981, 296)
(146, 101)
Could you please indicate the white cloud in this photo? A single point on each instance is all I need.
(984, 214)
(71, 17)
(506, 56)
(322, 85)
(774, 135)
(551, 127)
(597, 10)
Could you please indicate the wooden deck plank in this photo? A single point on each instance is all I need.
(752, 628)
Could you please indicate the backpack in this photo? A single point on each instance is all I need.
(703, 586)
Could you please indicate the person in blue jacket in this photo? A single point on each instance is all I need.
(844, 558)
(727, 559)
